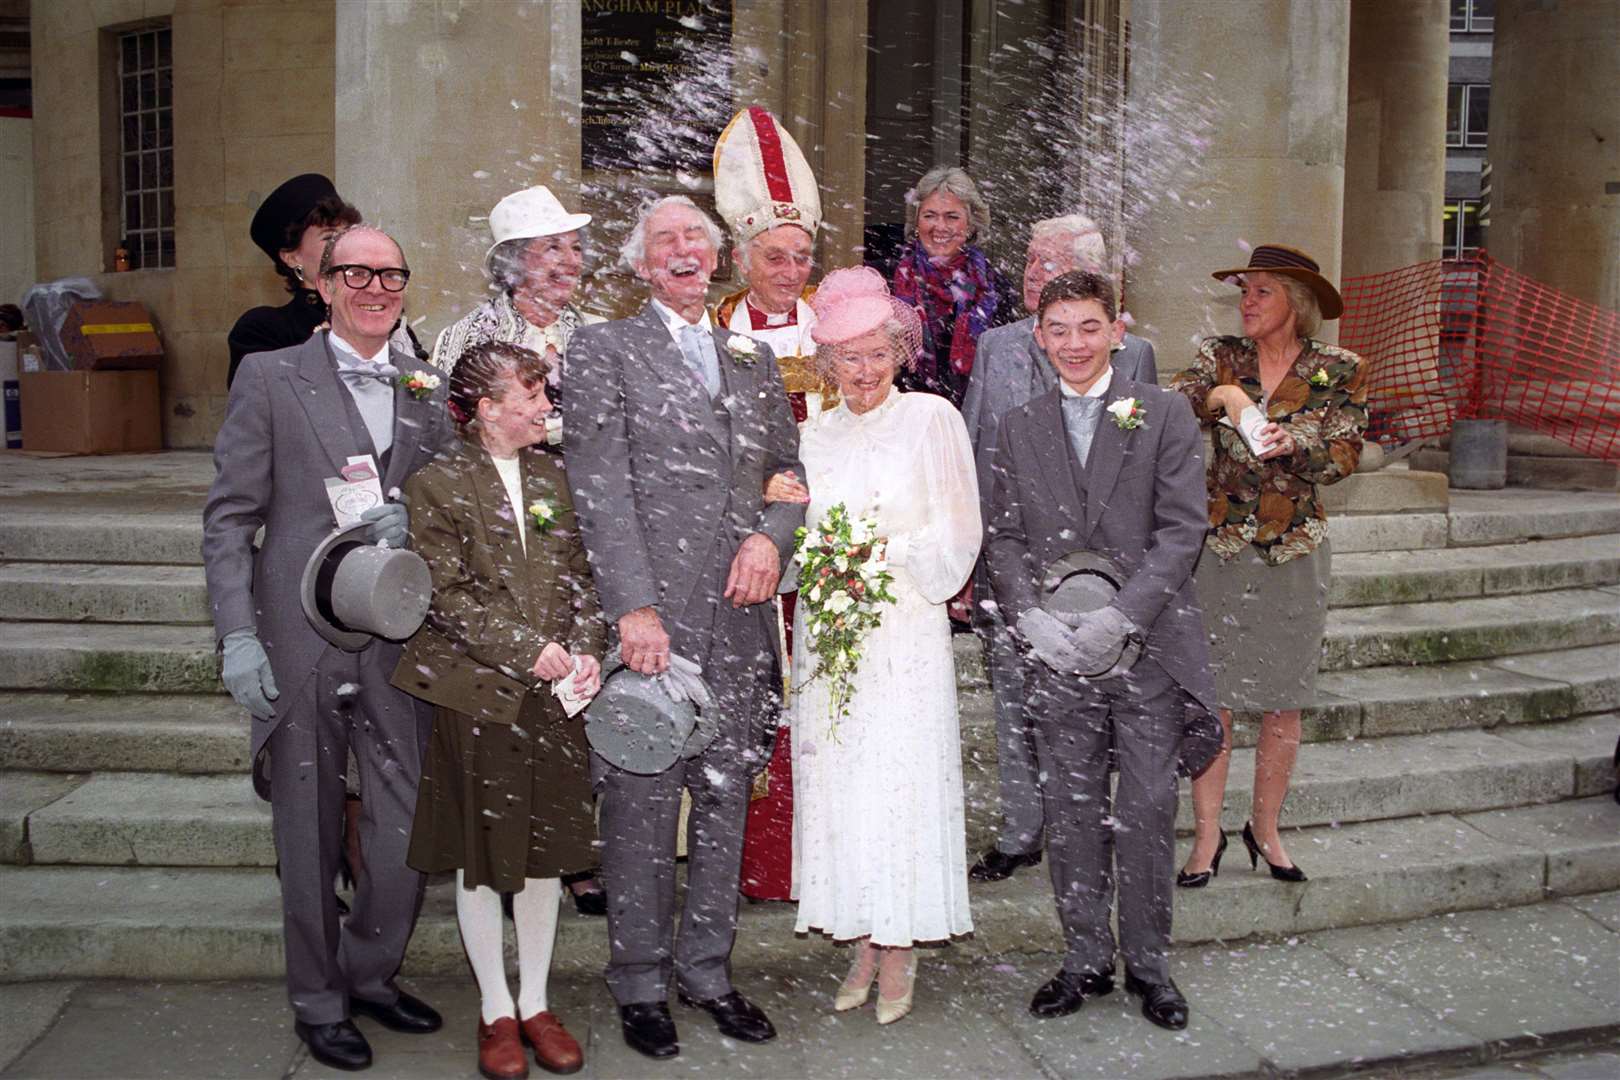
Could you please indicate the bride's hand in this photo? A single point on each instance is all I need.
(785, 487)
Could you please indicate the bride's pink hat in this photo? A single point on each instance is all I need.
(856, 301)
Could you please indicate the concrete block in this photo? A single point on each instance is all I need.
(1588, 742)
(1439, 631)
(84, 592)
(100, 537)
(1580, 839)
(155, 819)
(1387, 491)
(69, 656)
(202, 733)
(1437, 697)
(1386, 532)
(1504, 977)
(1563, 473)
(1593, 674)
(1335, 1018)
(20, 796)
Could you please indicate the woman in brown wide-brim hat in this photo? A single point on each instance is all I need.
(1263, 578)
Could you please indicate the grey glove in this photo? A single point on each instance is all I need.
(245, 671)
(1097, 638)
(390, 524)
(684, 682)
(1050, 639)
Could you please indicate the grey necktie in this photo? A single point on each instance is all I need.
(698, 349)
(1080, 416)
(372, 387)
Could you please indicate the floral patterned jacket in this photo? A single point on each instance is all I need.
(1275, 504)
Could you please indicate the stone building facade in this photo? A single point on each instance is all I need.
(1187, 129)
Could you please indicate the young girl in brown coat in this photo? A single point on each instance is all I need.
(505, 799)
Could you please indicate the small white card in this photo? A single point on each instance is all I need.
(1250, 421)
(563, 688)
(355, 490)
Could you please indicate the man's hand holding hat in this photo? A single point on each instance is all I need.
(245, 671)
(390, 524)
(1088, 648)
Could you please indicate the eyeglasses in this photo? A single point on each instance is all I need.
(355, 276)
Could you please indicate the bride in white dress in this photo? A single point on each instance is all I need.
(879, 849)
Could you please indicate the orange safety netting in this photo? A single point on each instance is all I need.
(1469, 338)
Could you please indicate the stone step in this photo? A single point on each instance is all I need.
(163, 819)
(1400, 577)
(89, 656)
(1515, 514)
(1469, 629)
(179, 733)
(98, 592)
(1560, 472)
(167, 923)
(100, 536)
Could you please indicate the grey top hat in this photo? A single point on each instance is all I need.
(636, 726)
(1084, 581)
(353, 591)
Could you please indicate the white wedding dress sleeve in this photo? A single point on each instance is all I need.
(879, 845)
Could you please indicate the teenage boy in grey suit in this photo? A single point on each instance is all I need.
(1010, 369)
(295, 417)
(1110, 465)
(675, 427)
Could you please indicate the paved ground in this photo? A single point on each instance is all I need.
(1531, 991)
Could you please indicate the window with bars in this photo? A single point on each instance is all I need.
(146, 146)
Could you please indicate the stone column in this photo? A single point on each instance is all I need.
(1270, 76)
(1554, 145)
(441, 110)
(1395, 142)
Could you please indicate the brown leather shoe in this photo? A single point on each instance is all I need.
(500, 1050)
(555, 1050)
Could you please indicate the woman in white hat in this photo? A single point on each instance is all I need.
(535, 263)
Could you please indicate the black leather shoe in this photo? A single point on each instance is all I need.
(997, 865)
(1162, 1003)
(737, 1017)
(338, 1046)
(648, 1029)
(409, 1014)
(1064, 993)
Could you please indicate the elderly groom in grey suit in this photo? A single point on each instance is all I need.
(1111, 466)
(1009, 370)
(676, 427)
(296, 416)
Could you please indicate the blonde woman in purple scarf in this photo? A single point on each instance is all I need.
(949, 280)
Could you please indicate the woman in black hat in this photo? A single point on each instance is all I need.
(1286, 412)
(291, 226)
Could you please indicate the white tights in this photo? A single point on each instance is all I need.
(534, 909)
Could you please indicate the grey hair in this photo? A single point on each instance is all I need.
(952, 181)
(1307, 312)
(1090, 250)
(506, 267)
(332, 243)
(635, 245)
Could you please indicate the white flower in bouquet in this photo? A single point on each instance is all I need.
(839, 602)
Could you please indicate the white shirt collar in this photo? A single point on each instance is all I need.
(1098, 388)
(674, 322)
(348, 356)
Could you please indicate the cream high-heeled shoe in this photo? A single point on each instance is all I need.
(891, 1009)
(853, 992)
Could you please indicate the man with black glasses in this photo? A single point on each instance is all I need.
(297, 417)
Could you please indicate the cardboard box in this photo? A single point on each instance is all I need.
(91, 412)
(111, 335)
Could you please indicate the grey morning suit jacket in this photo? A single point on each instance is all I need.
(1143, 504)
(288, 426)
(664, 484)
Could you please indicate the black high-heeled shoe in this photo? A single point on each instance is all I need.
(1281, 873)
(1199, 880)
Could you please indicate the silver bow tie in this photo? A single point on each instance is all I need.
(386, 373)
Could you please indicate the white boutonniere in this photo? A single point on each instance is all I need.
(419, 384)
(742, 349)
(543, 514)
(1319, 377)
(1128, 413)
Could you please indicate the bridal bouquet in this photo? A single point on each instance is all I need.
(843, 578)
